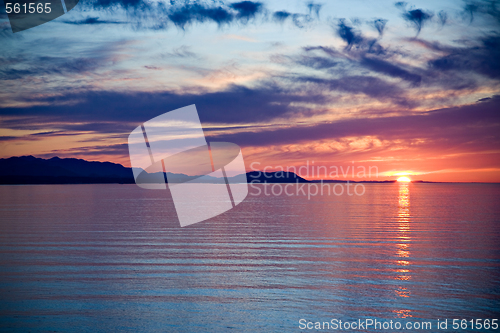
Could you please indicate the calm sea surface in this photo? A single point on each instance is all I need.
(87, 258)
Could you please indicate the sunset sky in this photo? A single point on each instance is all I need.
(411, 88)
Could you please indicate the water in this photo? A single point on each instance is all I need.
(87, 258)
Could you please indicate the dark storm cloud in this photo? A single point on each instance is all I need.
(475, 126)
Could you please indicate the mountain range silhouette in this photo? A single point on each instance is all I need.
(55, 170)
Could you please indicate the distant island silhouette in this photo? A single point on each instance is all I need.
(25, 170)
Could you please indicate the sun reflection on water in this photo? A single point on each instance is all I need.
(402, 313)
(403, 245)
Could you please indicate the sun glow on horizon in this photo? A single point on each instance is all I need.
(404, 180)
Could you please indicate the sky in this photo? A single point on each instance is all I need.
(408, 88)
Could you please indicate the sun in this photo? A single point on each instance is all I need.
(404, 180)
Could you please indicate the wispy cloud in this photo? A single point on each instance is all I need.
(93, 20)
(475, 126)
(481, 58)
(489, 8)
(417, 17)
(183, 51)
(183, 14)
(49, 66)
(268, 102)
(369, 85)
(379, 25)
(159, 15)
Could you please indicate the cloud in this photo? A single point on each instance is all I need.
(489, 8)
(52, 134)
(348, 34)
(3, 13)
(8, 138)
(183, 51)
(390, 69)
(443, 17)
(317, 62)
(92, 20)
(109, 4)
(379, 25)
(182, 14)
(235, 105)
(362, 53)
(417, 17)
(45, 65)
(120, 150)
(281, 16)
(482, 58)
(158, 15)
(368, 85)
(448, 69)
(472, 127)
(247, 9)
(190, 14)
(6, 31)
(314, 7)
(355, 40)
(299, 20)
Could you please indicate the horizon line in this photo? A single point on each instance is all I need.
(317, 180)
